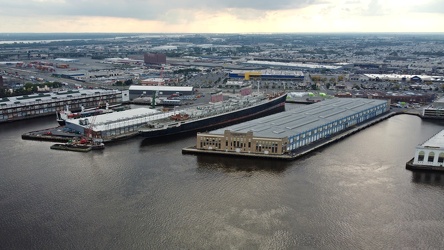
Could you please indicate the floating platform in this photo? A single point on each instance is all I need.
(56, 134)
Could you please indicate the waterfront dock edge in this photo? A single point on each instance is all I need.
(415, 167)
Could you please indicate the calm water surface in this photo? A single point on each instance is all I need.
(136, 194)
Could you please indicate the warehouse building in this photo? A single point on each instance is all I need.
(434, 110)
(136, 91)
(115, 125)
(29, 106)
(310, 67)
(286, 132)
(154, 59)
(269, 74)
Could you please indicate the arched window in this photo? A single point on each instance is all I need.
(441, 158)
(431, 157)
(421, 156)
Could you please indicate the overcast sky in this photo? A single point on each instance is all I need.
(221, 16)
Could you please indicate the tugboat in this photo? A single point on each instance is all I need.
(80, 145)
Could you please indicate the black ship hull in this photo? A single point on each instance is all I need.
(213, 122)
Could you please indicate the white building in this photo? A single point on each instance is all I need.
(431, 152)
(29, 106)
(116, 124)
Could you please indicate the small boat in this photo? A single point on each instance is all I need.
(80, 145)
(71, 147)
(96, 144)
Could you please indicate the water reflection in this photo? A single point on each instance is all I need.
(165, 139)
(241, 164)
(428, 177)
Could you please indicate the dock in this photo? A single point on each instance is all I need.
(56, 134)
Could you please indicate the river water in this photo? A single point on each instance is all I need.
(139, 194)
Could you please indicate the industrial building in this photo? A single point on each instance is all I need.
(286, 132)
(311, 67)
(29, 106)
(136, 91)
(430, 154)
(116, 124)
(154, 58)
(268, 74)
(434, 110)
(396, 97)
(404, 78)
(153, 82)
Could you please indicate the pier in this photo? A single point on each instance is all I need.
(303, 150)
(56, 134)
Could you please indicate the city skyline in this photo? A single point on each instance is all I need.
(200, 16)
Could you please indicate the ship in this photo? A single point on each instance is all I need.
(80, 145)
(216, 115)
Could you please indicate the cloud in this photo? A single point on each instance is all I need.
(218, 16)
(436, 6)
(374, 8)
(141, 9)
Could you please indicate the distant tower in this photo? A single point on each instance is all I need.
(154, 59)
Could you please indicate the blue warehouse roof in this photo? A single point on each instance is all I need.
(302, 119)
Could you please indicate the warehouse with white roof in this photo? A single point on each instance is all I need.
(138, 91)
(29, 106)
(113, 125)
(286, 132)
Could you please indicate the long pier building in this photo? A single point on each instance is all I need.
(287, 132)
(29, 106)
(138, 91)
(269, 74)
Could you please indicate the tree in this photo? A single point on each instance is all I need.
(129, 82)
(340, 78)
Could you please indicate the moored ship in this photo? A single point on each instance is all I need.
(216, 115)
